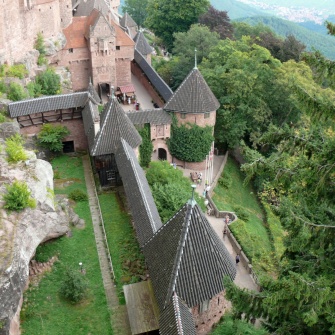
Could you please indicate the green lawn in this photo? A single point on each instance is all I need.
(44, 310)
(127, 258)
(255, 234)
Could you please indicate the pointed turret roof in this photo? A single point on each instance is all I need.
(141, 44)
(114, 125)
(127, 21)
(176, 319)
(193, 96)
(194, 260)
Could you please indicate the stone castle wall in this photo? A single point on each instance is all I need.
(198, 119)
(22, 20)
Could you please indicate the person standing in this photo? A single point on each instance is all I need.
(237, 258)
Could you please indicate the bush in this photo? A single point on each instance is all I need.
(225, 181)
(39, 45)
(49, 82)
(18, 71)
(78, 195)
(241, 213)
(2, 118)
(18, 197)
(16, 92)
(51, 137)
(14, 149)
(74, 286)
(146, 146)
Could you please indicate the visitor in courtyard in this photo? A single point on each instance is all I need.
(237, 259)
(225, 231)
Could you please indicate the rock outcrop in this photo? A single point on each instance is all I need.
(21, 232)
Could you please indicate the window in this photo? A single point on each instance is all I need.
(117, 47)
(206, 115)
(183, 115)
(71, 50)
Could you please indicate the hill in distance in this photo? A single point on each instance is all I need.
(324, 43)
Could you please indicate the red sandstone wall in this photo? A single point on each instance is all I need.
(217, 307)
(195, 166)
(198, 119)
(19, 25)
(135, 69)
(76, 128)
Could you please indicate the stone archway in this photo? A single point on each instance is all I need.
(162, 155)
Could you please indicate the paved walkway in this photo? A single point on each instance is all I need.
(243, 278)
(118, 313)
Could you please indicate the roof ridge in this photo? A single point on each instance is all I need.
(179, 253)
(177, 313)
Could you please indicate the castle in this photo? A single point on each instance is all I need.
(101, 54)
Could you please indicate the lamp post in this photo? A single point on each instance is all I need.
(81, 267)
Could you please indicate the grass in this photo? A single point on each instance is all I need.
(44, 310)
(127, 258)
(259, 235)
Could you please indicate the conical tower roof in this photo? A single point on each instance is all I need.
(194, 260)
(141, 44)
(127, 21)
(193, 96)
(114, 125)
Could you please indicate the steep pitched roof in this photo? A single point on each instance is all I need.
(176, 319)
(127, 21)
(141, 44)
(194, 260)
(85, 7)
(90, 116)
(94, 94)
(114, 125)
(193, 96)
(157, 82)
(144, 212)
(74, 33)
(48, 103)
(152, 116)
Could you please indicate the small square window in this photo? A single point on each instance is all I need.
(117, 47)
(206, 115)
(71, 50)
(183, 115)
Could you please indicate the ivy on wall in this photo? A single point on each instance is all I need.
(190, 142)
(146, 147)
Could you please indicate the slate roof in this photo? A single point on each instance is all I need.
(127, 21)
(94, 94)
(114, 125)
(176, 319)
(143, 209)
(194, 260)
(152, 116)
(85, 7)
(157, 82)
(48, 103)
(90, 116)
(193, 96)
(141, 44)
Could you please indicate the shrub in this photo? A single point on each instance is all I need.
(2, 118)
(51, 137)
(16, 92)
(41, 256)
(49, 82)
(34, 89)
(78, 195)
(146, 146)
(74, 286)
(15, 150)
(18, 197)
(3, 87)
(39, 45)
(241, 213)
(225, 181)
(18, 70)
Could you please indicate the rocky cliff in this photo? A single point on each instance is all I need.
(21, 232)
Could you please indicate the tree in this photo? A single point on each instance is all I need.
(146, 146)
(51, 137)
(217, 21)
(291, 49)
(137, 9)
(16, 92)
(49, 82)
(74, 286)
(166, 17)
